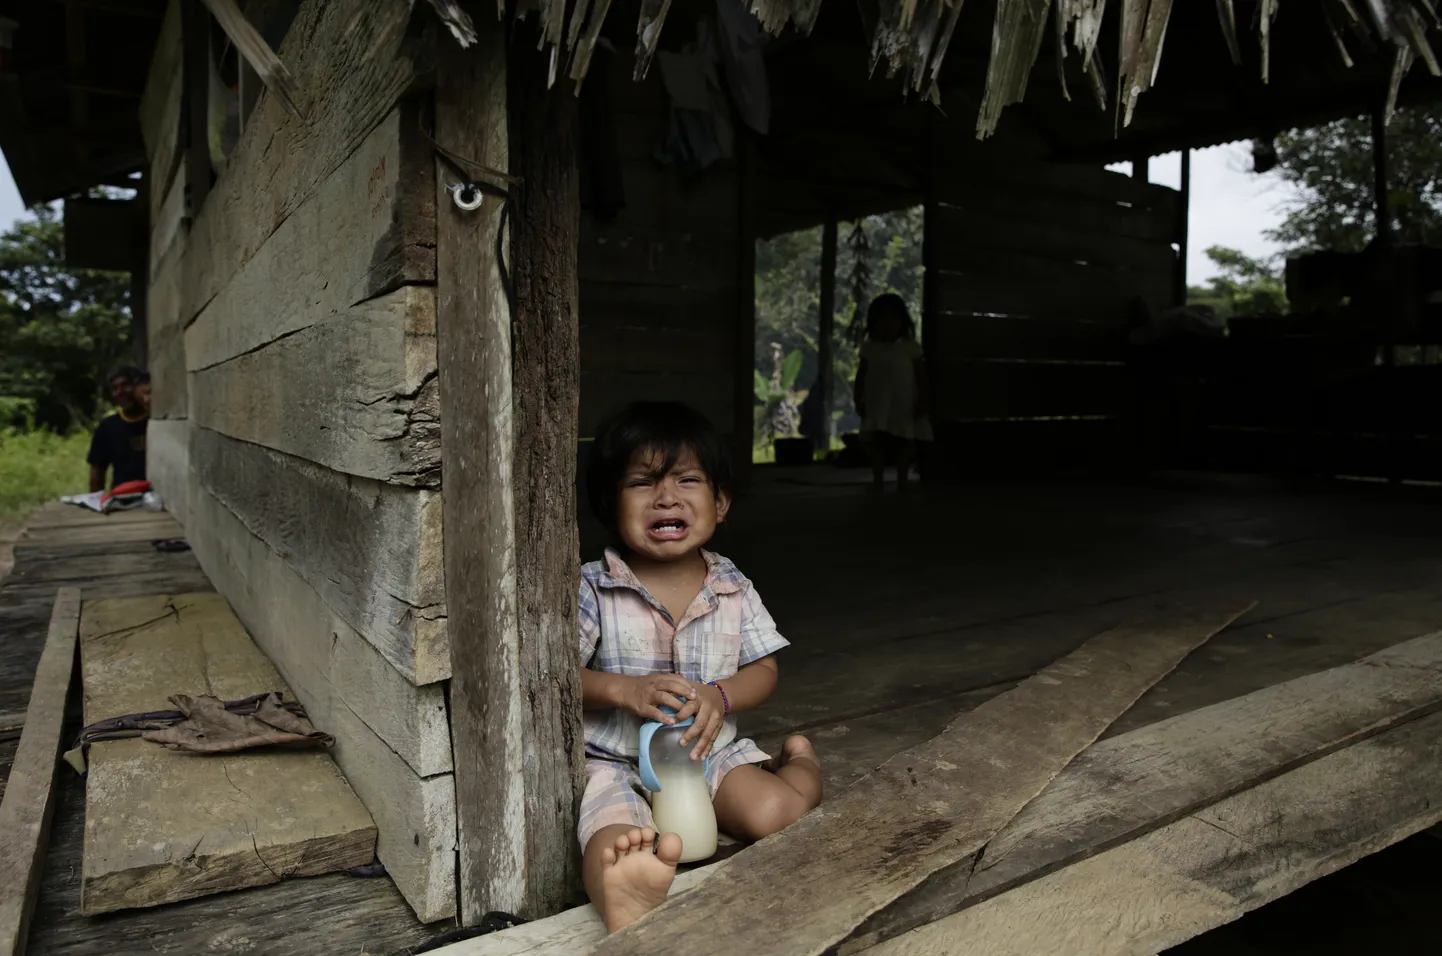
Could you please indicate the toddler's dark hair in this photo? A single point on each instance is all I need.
(895, 305)
(669, 428)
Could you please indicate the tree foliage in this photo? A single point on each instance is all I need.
(1242, 286)
(1331, 169)
(60, 328)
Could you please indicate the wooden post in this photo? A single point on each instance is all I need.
(933, 174)
(825, 333)
(1379, 175)
(744, 416)
(1184, 216)
(1141, 168)
(509, 429)
(195, 77)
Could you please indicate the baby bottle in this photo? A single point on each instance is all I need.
(680, 796)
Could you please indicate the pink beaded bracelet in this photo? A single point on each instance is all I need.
(725, 701)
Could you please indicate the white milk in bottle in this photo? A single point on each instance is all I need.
(683, 804)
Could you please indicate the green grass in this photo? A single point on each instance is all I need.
(40, 466)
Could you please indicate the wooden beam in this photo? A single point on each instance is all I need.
(1184, 228)
(744, 438)
(1379, 176)
(195, 93)
(933, 805)
(29, 802)
(1212, 866)
(508, 423)
(826, 328)
(545, 227)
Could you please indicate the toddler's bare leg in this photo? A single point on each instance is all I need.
(624, 879)
(753, 802)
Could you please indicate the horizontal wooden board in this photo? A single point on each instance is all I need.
(415, 816)
(999, 335)
(962, 229)
(711, 393)
(677, 257)
(977, 203)
(227, 821)
(368, 229)
(1213, 866)
(972, 280)
(371, 550)
(1029, 448)
(169, 224)
(351, 61)
(355, 393)
(645, 328)
(167, 463)
(1003, 389)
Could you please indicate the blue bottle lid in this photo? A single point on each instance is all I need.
(648, 730)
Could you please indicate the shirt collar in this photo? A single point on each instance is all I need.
(722, 575)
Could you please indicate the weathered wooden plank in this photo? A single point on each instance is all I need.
(1213, 866)
(227, 821)
(367, 230)
(28, 802)
(163, 77)
(985, 281)
(602, 392)
(170, 385)
(1023, 389)
(415, 816)
(315, 648)
(979, 335)
(474, 326)
(544, 139)
(351, 61)
(508, 387)
(1135, 783)
(966, 228)
(167, 463)
(169, 222)
(941, 802)
(372, 551)
(652, 255)
(355, 393)
(649, 328)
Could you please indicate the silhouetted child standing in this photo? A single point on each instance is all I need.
(891, 389)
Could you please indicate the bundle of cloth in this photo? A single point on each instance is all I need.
(126, 495)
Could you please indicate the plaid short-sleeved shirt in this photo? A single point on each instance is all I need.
(624, 630)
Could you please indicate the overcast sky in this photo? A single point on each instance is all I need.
(1230, 206)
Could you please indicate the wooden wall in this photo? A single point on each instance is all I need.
(1040, 266)
(297, 424)
(659, 282)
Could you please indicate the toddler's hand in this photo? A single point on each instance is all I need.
(645, 696)
(709, 707)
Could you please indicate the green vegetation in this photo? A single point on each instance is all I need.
(1243, 285)
(39, 466)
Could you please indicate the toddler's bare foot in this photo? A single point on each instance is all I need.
(795, 749)
(635, 879)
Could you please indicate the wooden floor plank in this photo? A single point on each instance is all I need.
(25, 810)
(1126, 786)
(224, 822)
(926, 808)
(1213, 866)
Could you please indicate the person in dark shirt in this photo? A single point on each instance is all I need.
(118, 444)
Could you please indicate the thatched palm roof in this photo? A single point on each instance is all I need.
(910, 38)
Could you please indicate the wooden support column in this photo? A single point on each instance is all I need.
(1184, 217)
(826, 327)
(745, 400)
(1379, 176)
(195, 75)
(508, 389)
(931, 252)
(1141, 168)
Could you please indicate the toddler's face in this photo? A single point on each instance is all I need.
(671, 517)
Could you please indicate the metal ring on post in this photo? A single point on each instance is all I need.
(467, 196)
